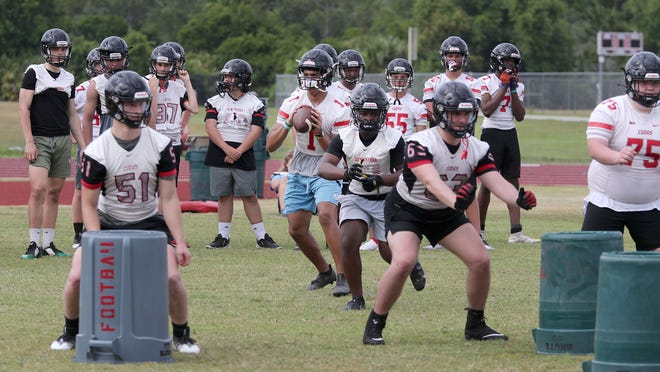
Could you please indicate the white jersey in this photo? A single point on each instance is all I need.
(129, 179)
(502, 117)
(341, 90)
(308, 152)
(100, 82)
(431, 85)
(405, 113)
(170, 100)
(633, 187)
(234, 117)
(375, 158)
(79, 100)
(63, 83)
(428, 147)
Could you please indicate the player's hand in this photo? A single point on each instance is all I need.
(315, 122)
(513, 82)
(505, 78)
(354, 172)
(182, 253)
(465, 196)
(370, 183)
(31, 152)
(526, 199)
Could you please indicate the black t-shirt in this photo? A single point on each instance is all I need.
(49, 112)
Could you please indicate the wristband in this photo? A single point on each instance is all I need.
(286, 126)
(320, 135)
(513, 90)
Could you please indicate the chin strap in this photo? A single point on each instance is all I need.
(466, 142)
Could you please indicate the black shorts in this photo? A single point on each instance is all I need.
(505, 149)
(153, 223)
(433, 224)
(643, 225)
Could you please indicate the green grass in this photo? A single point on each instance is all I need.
(249, 309)
(541, 141)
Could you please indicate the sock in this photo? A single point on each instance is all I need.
(180, 330)
(78, 227)
(375, 240)
(48, 235)
(380, 318)
(259, 230)
(474, 317)
(483, 228)
(516, 228)
(224, 228)
(35, 236)
(71, 326)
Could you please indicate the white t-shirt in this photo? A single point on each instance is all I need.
(502, 118)
(405, 113)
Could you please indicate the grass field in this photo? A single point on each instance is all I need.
(249, 309)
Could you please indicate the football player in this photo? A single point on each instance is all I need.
(623, 141)
(131, 156)
(502, 103)
(307, 193)
(437, 184)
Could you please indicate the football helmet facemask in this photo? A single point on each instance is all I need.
(454, 44)
(453, 96)
(113, 48)
(640, 67)
(318, 60)
(56, 38)
(163, 54)
(350, 58)
(128, 86)
(369, 97)
(399, 66)
(502, 51)
(242, 73)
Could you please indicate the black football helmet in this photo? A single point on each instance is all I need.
(113, 47)
(399, 66)
(505, 50)
(642, 66)
(453, 96)
(328, 49)
(93, 58)
(128, 86)
(369, 96)
(56, 38)
(241, 70)
(181, 60)
(315, 59)
(163, 54)
(454, 44)
(348, 59)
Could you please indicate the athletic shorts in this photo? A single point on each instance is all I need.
(177, 154)
(355, 207)
(233, 182)
(54, 154)
(153, 223)
(433, 224)
(505, 149)
(642, 225)
(305, 193)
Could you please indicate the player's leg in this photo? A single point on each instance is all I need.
(178, 307)
(71, 305)
(246, 189)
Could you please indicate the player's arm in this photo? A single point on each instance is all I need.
(428, 175)
(279, 131)
(600, 151)
(256, 128)
(191, 104)
(74, 124)
(328, 168)
(490, 103)
(172, 214)
(153, 88)
(88, 111)
(93, 175)
(396, 162)
(517, 107)
(24, 103)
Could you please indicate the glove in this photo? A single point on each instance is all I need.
(370, 183)
(513, 82)
(526, 199)
(505, 78)
(465, 196)
(354, 172)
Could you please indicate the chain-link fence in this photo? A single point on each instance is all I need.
(543, 90)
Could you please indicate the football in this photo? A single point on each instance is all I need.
(300, 119)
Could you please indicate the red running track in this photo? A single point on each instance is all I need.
(16, 189)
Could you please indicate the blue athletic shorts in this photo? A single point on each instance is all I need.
(305, 193)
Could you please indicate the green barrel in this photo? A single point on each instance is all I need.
(627, 333)
(200, 180)
(568, 287)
